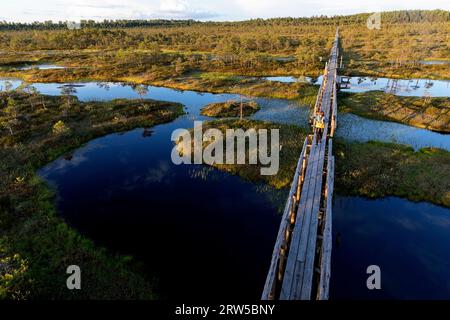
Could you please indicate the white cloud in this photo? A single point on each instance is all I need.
(173, 6)
(302, 8)
(182, 9)
(110, 9)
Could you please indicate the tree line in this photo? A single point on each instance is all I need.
(401, 16)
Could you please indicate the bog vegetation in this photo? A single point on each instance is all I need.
(231, 108)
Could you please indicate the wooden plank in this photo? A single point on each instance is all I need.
(334, 111)
(305, 292)
(283, 225)
(289, 274)
(325, 256)
(309, 230)
(312, 235)
(308, 265)
(325, 262)
(305, 231)
(288, 280)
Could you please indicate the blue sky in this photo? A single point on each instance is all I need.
(74, 10)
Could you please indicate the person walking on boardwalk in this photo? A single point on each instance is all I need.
(319, 124)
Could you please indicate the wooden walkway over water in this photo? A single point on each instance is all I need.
(300, 266)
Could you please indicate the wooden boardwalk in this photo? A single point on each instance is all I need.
(300, 266)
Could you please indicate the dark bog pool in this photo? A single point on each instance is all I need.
(201, 232)
(408, 241)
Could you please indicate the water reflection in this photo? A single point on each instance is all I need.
(289, 79)
(41, 67)
(412, 87)
(434, 62)
(354, 128)
(407, 240)
(129, 196)
(30, 66)
(400, 87)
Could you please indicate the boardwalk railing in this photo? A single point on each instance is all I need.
(300, 267)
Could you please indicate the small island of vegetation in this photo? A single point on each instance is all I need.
(429, 113)
(231, 108)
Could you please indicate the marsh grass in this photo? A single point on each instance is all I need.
(377, 169)
(231, 108)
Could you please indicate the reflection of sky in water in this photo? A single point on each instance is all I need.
(350, 126)
(32, 66)
(75, 160)
(289, 79)
(125, 193)
(41, 67)
(413, 87)
(355, 128)
(435, 62)
(407, 240)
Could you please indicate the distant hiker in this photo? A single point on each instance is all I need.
(319, 124)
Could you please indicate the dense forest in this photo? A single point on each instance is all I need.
(388, 17)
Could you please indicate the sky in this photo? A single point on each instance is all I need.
(220, 10)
